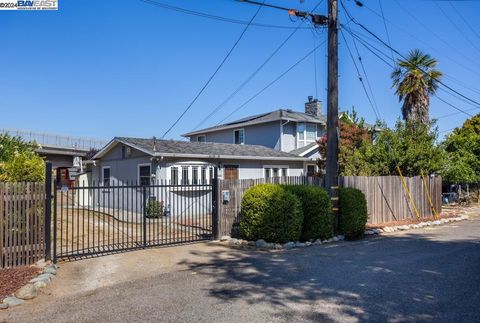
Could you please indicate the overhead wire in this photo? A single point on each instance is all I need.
(213, 17)
(271, 83)
(360, 77)
(254, 73)
(213, 74)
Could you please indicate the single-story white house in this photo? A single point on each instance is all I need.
(140, 160)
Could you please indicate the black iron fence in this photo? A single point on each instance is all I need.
(98, 218)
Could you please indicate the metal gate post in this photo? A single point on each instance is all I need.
(215, 204)
(55, 224)
(144, 190)
(48, 210)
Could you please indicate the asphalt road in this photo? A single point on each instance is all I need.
(422, 275)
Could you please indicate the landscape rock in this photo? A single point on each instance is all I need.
(41, 263)
(27, 292)
(437, 222)
(40, 284)
(369, 232)
(278, 246)
(225, 238)
(234, 242)
(299, 244)
(251, 243)
(50, 270)
(335, 239)
(289, 245)
(3, 306)
(260, 243)
(376, 231)
(270, 245)
(403, 227)
(308, 243)
(13, 301)
(317, 242)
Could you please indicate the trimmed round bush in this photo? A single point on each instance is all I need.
(271, 213)
(353, 213)
(317, 211)
(154, 209)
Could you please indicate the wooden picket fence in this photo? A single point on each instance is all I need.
(387, 200)
(22, 227)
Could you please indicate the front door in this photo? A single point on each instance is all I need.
(231, 172)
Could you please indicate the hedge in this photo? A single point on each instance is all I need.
(272, 213)
(317, 211)
(353, 213)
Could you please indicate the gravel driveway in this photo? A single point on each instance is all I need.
(430, 274)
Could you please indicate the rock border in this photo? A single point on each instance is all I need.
(31, 289)
(420, 225)
(263, 245)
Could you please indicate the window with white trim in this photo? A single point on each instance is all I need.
(144, 175)
(174, 176)
(275, 171)
(106, 176)
(195, 175)
(306, 133)
(185, 175)
(239, 137)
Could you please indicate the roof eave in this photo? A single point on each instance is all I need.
(293, 158)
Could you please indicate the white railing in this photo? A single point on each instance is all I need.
(47, 139)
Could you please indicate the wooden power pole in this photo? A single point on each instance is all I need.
(333, 134)
(331, 176)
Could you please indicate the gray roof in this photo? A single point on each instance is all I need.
(300, 151)
(276, 115)
(175, 148)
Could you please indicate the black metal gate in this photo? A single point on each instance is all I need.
(109, 217)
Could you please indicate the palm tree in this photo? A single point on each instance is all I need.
(415, 79)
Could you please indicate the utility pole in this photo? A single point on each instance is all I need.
(333, 133)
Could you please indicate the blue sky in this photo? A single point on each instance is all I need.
(127, 68)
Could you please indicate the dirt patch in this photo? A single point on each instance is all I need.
(12, 279)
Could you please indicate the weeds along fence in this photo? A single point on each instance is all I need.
(388, 200)
(231, 194)
(22, 227)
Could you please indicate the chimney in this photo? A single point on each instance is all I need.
(313, 107)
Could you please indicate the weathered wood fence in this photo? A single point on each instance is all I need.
(22, 227)
(387, 200)
(229, 212)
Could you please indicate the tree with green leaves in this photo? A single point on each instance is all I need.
(415, 79)
(18, 161)
(463, 153)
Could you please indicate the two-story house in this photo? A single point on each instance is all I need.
(284, 130)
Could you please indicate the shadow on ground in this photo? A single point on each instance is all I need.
(413, 276)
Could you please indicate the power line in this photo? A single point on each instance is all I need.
(401, 55)
(465, 67)
(464, 20)
(214, 73)
(214, 17)
(271, 83)
(385, 26)
(386, 62)
(251, 76)
(360, 76)
(452, 22)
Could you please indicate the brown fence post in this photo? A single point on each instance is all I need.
(48, 210)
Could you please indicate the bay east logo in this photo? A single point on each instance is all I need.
(28, 4)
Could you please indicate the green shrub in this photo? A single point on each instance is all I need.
(154, 209)
(272, 213)
(317, 211)
(353, 214)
